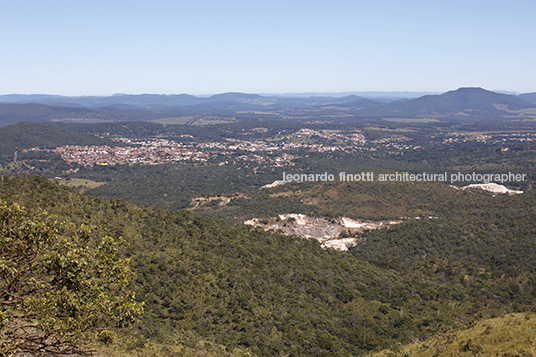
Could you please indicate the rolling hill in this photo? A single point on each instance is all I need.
(13, 113)
(156, 102)
(529, 97)
(508, 335)
(459, 104)
(26, 135)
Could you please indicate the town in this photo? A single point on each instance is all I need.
(281, 151)
(277, 153)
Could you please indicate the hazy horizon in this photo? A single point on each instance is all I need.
(407, 94)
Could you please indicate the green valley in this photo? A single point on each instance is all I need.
(431, 265)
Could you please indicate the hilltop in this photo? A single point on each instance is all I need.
(529, 97)
(458, 104)
(475, 104)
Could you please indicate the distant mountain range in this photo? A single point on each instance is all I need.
(167, 102)
(461, 104)
(458, 104)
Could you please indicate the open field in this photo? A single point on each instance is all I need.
(75, 182)
(194, 120)
(412, 120)
(81, 120)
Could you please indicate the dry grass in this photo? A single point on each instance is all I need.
(82, 182)
(509, 335)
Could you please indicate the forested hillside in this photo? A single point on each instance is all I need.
(26, 135)
(278, 295)
(12, 113)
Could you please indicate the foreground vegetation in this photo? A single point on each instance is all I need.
(59, 286)
(209, 287)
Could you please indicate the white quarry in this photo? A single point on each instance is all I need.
(492, 187)
(339, 233)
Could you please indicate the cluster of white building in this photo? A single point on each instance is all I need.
(162, 151)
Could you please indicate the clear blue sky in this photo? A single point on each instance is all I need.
(82, 47)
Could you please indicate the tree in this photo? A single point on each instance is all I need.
(58, 285)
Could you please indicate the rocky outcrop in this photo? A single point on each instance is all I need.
(340, 233)
(275, 184)
(494, 188)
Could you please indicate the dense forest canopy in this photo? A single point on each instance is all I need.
(277, 295)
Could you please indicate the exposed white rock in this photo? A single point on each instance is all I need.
(340, 244)
(326, 231)
(351, 223)
(493, 188)
(252, 222)
(275, 184)
(299, 218)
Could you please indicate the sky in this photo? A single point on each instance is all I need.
(81, 47)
